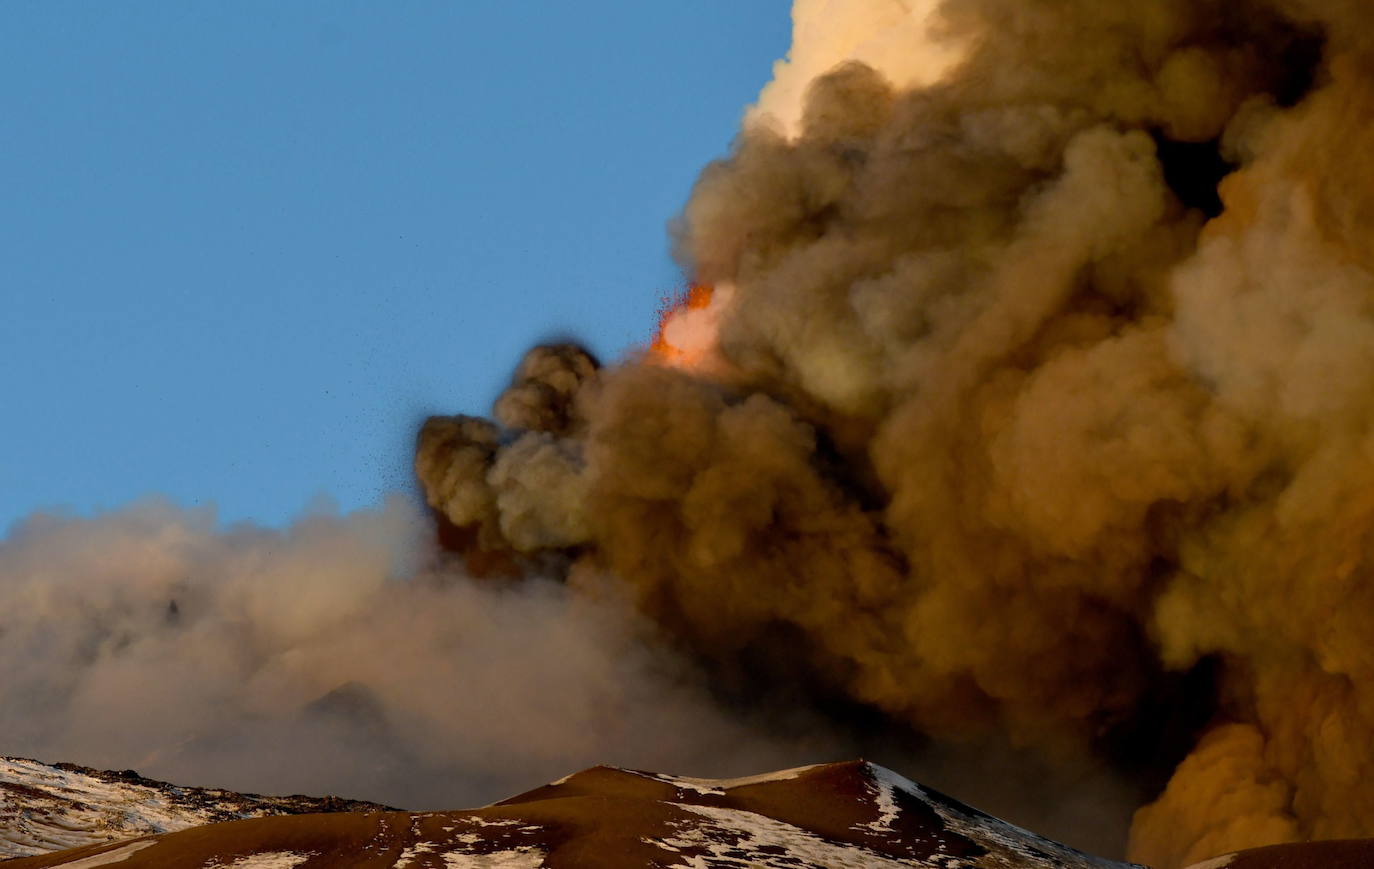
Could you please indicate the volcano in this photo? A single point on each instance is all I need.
(854, 814)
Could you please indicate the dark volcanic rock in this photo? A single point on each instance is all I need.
(1334, 854)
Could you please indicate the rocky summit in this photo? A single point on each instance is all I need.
(51, 807)
(854, 815)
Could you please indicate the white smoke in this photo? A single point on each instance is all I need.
(902, 39)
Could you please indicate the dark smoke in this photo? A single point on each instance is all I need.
(1039, 406)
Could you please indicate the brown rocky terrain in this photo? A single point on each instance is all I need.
(833, 816)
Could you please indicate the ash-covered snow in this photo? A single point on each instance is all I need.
(987, 831)
(888, 822)
(753, 841)
(473, 850)
(885, 780)
(46, 808)
(105, 858)
(408, 856)
(718, 786)
(268, 860)
(519, 858)
(730, 837)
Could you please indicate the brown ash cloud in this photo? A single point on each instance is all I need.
(1042, 412)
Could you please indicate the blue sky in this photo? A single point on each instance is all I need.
(247, 246)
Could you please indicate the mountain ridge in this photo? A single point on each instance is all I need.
(850, 814)
(47, 807)
(847, 815)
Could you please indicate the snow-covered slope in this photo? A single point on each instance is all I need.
(46, 808)
(832, 816)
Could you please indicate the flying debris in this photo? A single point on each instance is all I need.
(688, 326)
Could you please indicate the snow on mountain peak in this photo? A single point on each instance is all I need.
(830, 816)
(50, 807)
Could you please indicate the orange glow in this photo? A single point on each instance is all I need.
(685, 339)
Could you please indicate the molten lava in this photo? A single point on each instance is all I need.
(687, 327)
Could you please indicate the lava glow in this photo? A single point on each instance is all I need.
(687, 327)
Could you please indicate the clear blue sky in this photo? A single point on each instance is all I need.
(245, 247)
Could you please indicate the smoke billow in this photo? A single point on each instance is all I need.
(341, 655)
(1039, 408)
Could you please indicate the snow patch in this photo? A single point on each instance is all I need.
(118, 855)
(886, 781)
(760, 842)
(989, 831)
(44, 808)
(269, 860)
(718, 786)
(408, 855)
(520, 858)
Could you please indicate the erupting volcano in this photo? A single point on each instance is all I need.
(1030, 409)
(687, 327)
(1016, 430)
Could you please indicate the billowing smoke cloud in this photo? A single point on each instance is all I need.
(339, 656)
(1040, 409)
(347, 655)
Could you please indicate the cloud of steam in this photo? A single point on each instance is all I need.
(1025, 425)
(899, 37)
(335, 657)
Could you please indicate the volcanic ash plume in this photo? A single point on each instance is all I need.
(338, 656)
(1040, 408)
